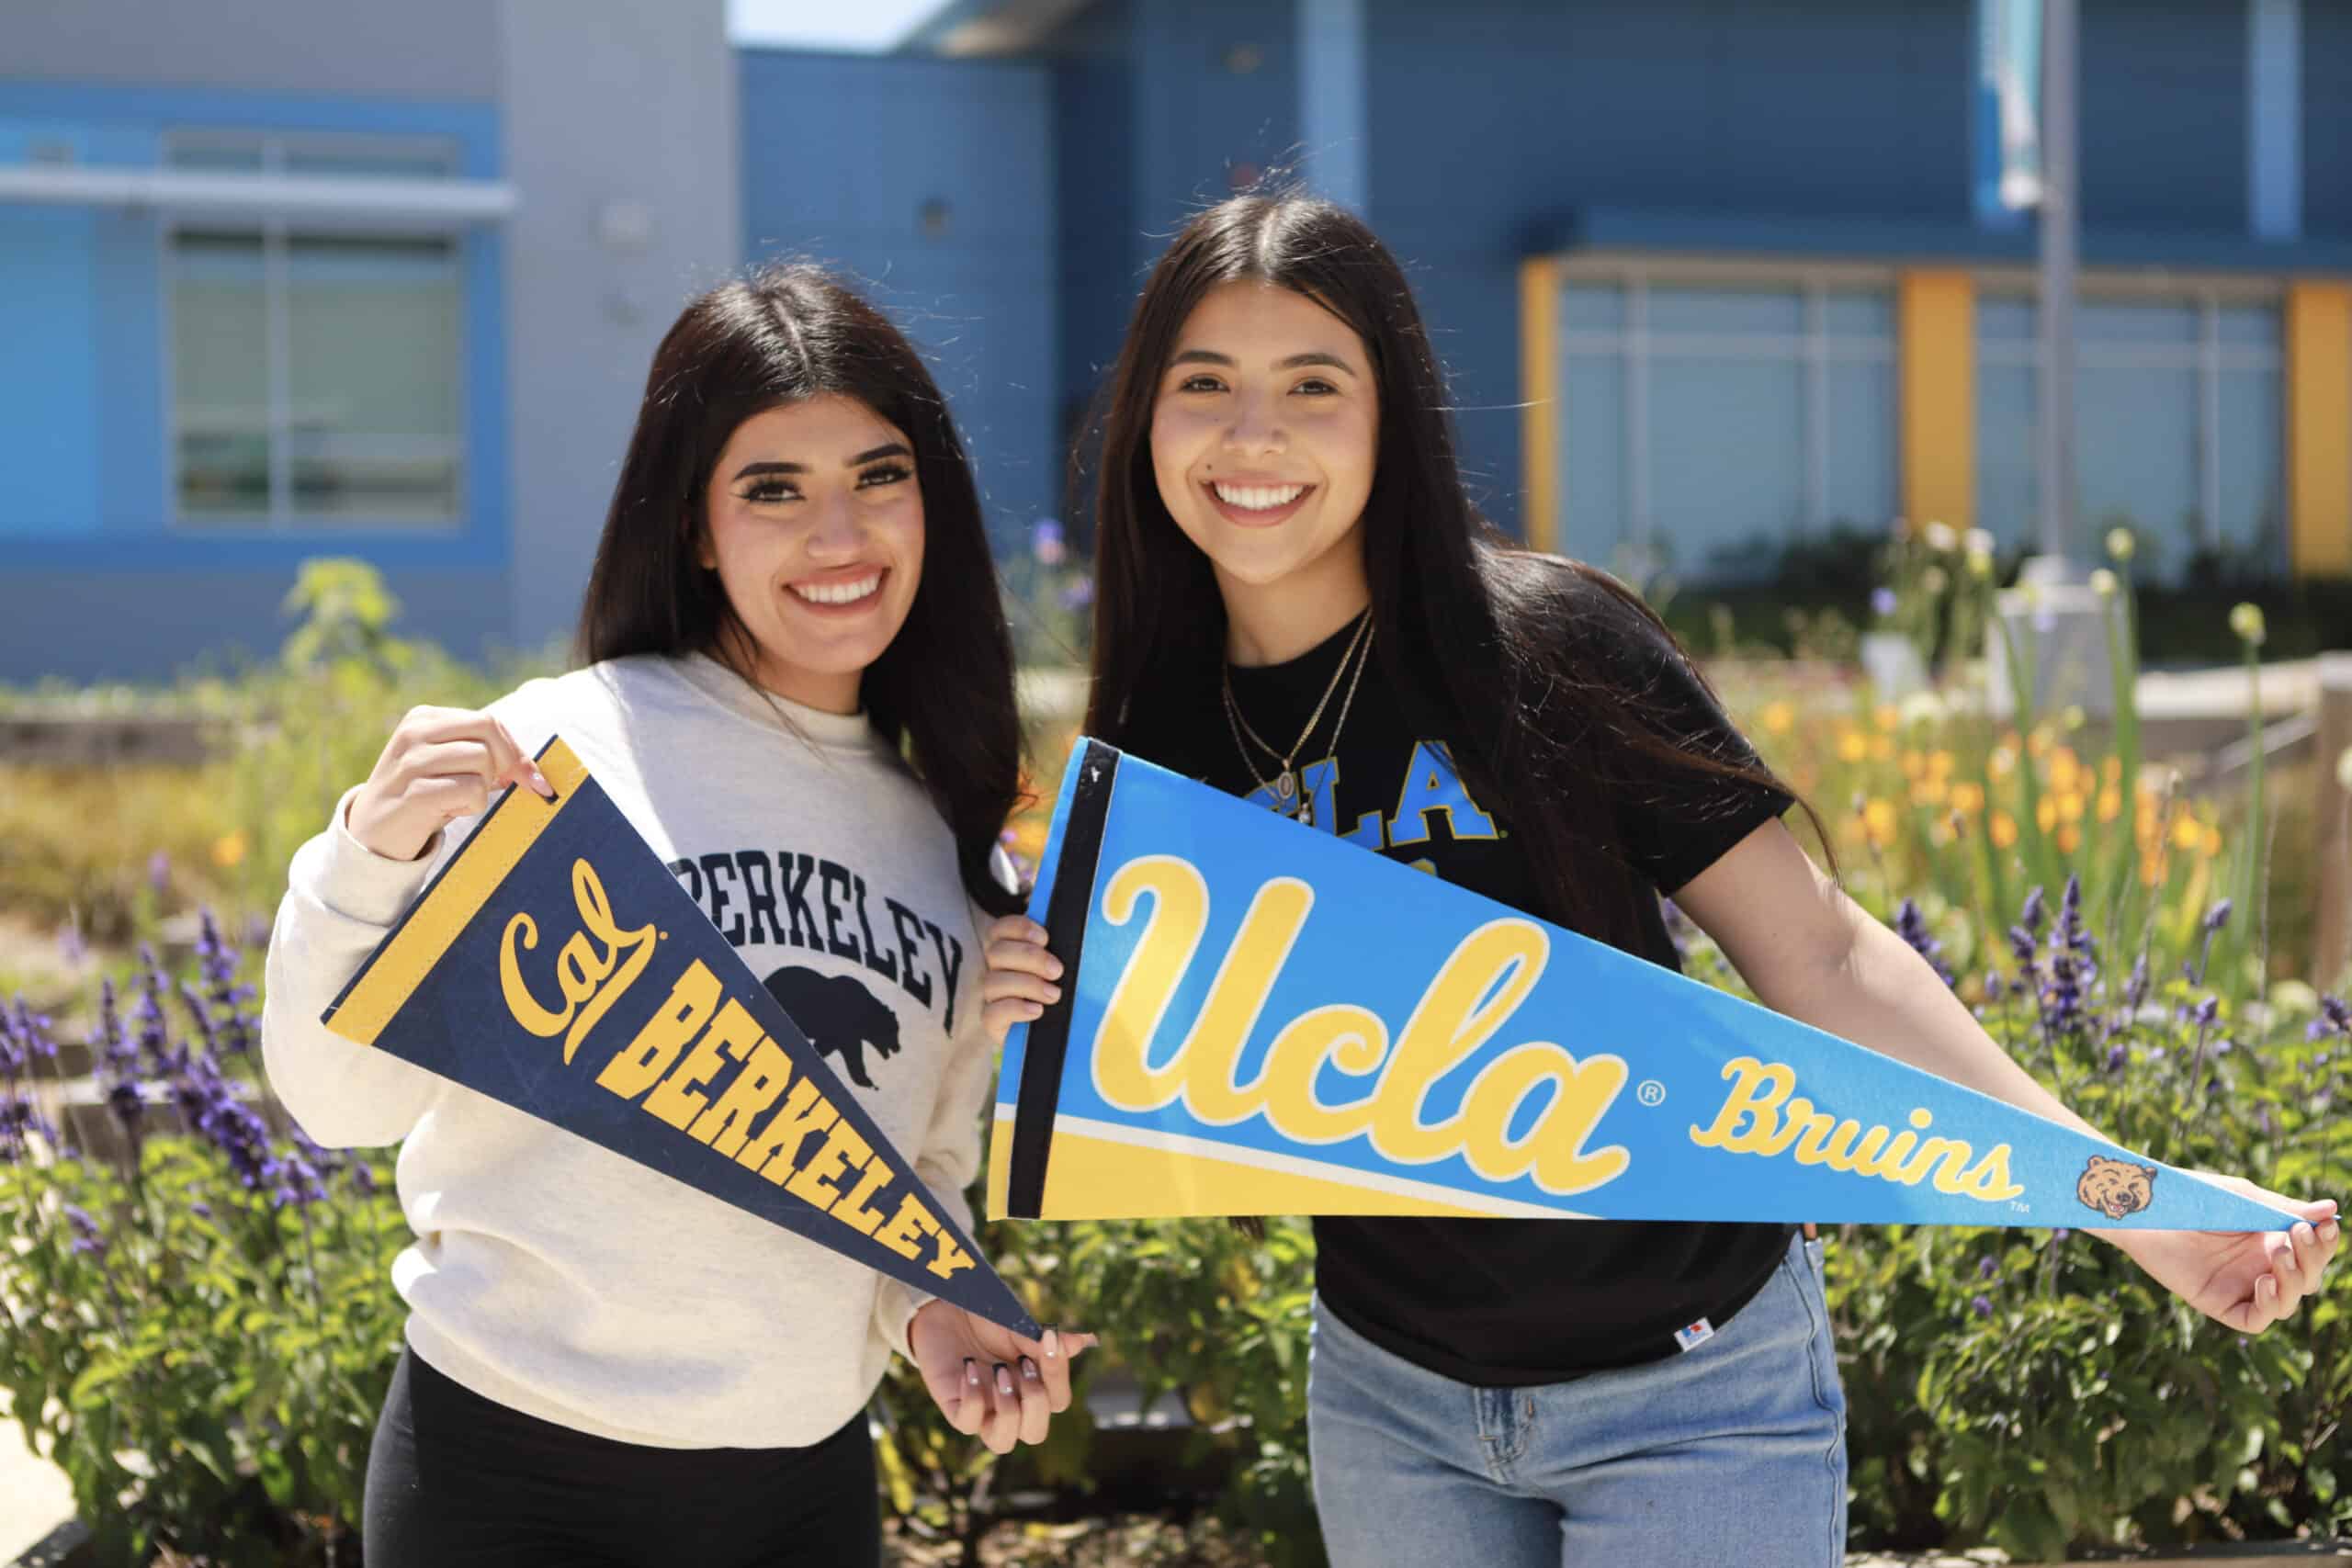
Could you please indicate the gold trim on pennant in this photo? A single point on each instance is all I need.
(456, 896)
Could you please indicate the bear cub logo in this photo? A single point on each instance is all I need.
(2117, 1187)
(840, 1017)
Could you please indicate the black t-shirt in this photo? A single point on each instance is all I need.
(1502, 1302)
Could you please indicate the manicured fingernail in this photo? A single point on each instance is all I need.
(1003, 1378)
(971, 1371)
(1053, 1343)
(540, 783)
(1028, 1369)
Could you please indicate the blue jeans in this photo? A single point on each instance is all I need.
(1731, 1453)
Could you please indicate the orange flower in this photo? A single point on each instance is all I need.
(1887, 716)
(2004, 829)
(2211, 841)
(2070, 838)
(1779, 718)
(1879, 822)
(1882, 748)
(2045, 812)
(1851, 746)
(1968, 797)
(229, 850)
(2110, 804)
(2186, 832)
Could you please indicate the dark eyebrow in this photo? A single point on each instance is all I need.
(1313, 357)
(887, 449)
(1316, 356)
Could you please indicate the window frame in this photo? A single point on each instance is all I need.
(282, 517)
(1814, 348)
(2208, 358)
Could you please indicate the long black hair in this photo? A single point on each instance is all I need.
(1488, 644)
(941, 694)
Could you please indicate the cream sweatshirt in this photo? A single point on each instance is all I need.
(560, 1280)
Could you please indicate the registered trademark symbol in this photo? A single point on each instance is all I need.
(1652, 1092)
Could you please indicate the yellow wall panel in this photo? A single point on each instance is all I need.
(2319, 428)
(1936, 360)
(1538, 418)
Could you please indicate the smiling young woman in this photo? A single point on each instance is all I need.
(796, 671)
(1291, 577)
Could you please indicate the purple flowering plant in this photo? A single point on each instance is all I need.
(196, 1324)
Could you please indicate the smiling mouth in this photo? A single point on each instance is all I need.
(840, 593)
(1256, 503)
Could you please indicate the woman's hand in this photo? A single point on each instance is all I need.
(989, 1380)
(1021, 976)
(2243, 1279)
(440, 765)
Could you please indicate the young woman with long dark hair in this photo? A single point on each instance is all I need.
(796, 683)
(1296, 603)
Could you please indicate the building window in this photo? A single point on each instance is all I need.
(314, 370)
(1708, 420)
(2178, 421)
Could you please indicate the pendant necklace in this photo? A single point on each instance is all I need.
(1290, 796)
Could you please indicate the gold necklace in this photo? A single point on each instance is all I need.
(1290, 796)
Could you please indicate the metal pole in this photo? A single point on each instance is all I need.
(2057, 279)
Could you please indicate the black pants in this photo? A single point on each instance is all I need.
(455, 1480)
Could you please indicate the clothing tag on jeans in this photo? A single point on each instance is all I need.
(1698, 1334)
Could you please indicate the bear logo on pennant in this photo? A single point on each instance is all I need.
(840, 1017)
(2116, 1186)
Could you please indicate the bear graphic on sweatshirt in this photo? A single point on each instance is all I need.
(840, 1017)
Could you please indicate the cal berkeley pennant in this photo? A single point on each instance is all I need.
(556, 965)
(1257, 1020)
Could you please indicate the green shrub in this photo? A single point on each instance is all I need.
(199, 1320)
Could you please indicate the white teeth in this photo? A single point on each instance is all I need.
(1259, 498)
(838, 593)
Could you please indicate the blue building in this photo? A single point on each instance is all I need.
(285, 278)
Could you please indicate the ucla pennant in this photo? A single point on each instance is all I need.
(556, 965)
(1262, 1020)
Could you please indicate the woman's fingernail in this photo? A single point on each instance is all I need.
(1058, 967)
(1003, 1378)
(1035, 1011)
(971, 1371)
(1054, 993)
(1028, 1369)
(1053, 1343)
